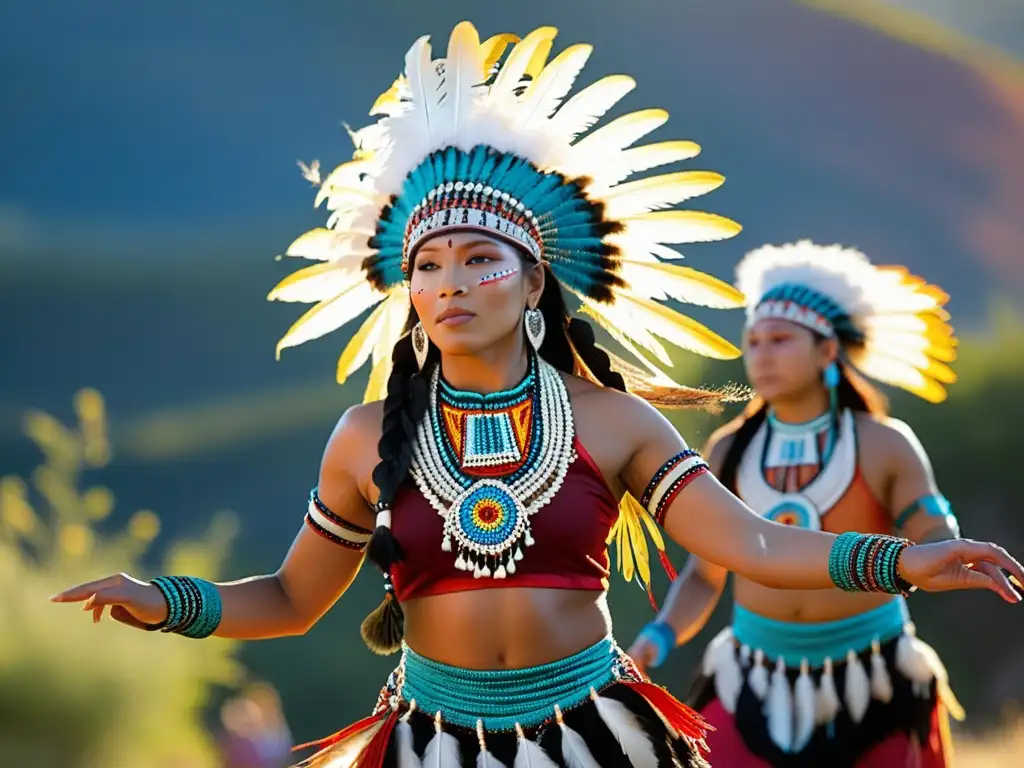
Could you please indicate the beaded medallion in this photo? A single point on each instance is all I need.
(487, 463)
(780, 450)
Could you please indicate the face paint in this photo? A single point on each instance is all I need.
(497, 277)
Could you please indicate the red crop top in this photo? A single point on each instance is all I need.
(570, 535)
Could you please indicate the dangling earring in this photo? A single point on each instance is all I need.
(831, 376)
(535, 327)
(420, 344)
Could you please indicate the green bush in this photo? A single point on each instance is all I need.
(75, 694)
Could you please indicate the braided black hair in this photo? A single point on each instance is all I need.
(565, 342)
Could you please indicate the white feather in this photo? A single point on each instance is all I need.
(804, 706)
(712, 654)
(320, 281)
(620, 133)
(407, 757)
(881, 682)
(680, 227)
(858, 687)
(530, 754)
(588, 106)
(627, 730)
(545, 94)
(758, 676)
(575, 752)
(657, 192)
(331, 314)
(511, 74)
(779, 708)
(728, 675)
(464, 71)
(828, 704)
(322, 244)
(442, 750)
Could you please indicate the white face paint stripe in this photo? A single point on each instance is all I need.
(497, 277)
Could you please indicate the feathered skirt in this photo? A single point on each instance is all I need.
(593, 709)
(858, 691)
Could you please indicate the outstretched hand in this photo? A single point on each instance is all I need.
(132, 602)
(962, 564)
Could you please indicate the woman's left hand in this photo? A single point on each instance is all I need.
(962, 564)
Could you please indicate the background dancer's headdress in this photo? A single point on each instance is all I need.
(891, 325)
(470, 141)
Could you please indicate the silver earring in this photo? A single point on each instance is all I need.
(535, 327)
(420, 344)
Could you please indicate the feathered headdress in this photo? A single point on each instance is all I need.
(471, 141)
(892, 325)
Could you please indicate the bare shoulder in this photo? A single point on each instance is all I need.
(719, 442)
(885, 435)
(620, 413)
(352, 447)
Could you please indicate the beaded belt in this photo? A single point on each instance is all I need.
(503, 698)
(817, 641)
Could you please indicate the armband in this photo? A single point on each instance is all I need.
(862, 562)
(334, 528)
(933, 505)
(674, 475)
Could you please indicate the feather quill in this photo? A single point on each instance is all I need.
(485, 759)
(827, 704)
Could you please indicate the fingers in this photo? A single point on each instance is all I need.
(86, 590)
(978, 552)
(999, 582)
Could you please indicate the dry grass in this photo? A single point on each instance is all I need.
(999, 749)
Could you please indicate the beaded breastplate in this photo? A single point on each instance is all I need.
(780, 448)
(487, 463)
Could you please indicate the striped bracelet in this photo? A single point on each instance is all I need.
(861, 562)
(194, 606)
(670, 479)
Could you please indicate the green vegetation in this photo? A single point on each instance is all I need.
(74, 694)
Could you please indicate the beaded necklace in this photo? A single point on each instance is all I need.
(487, 463)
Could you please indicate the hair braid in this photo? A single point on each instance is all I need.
(404, 406)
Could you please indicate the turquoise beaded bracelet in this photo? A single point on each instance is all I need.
(194, 606)
(860, 562)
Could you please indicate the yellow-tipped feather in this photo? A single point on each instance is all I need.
(493, 48)
(360, 346)
(681, 226)
(330, 315)
(319, 282)
(658, 280)
(637, 197)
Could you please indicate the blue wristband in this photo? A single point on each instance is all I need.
(663, 637)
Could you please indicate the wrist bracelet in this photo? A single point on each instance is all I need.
(194, 606)
(860, 562)
(663, 637)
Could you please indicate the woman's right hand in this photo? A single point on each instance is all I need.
(135, 603)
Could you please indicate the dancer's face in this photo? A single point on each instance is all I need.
(470, 290)
(784, 360)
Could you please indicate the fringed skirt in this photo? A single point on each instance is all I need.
(837, 694)
(591, 709)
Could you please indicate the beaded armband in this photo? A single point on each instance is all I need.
(193, 606)
(674, 475)
(861, 562)
(334, 528)
(935, 505)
